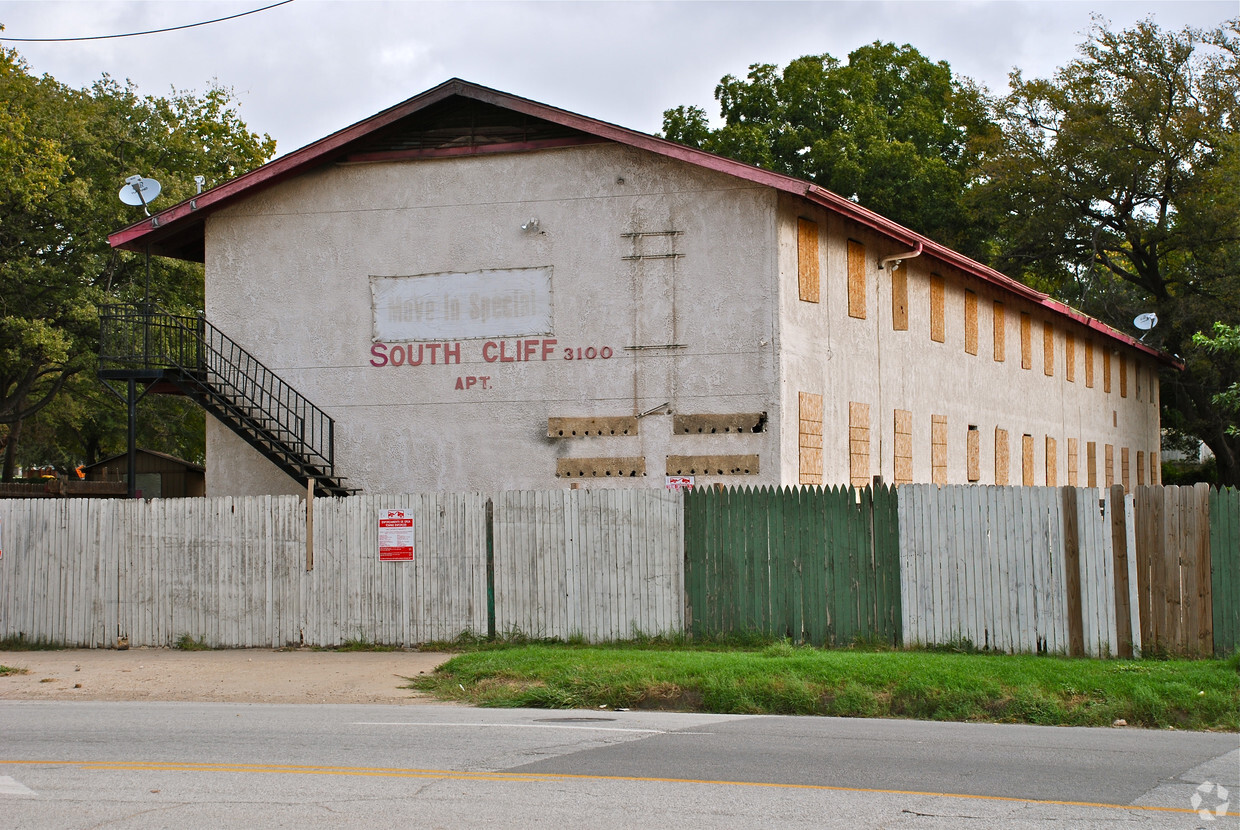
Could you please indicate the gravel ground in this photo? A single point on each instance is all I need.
(235, 675)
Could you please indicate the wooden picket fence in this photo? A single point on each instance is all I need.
(816, 565)
(1224, 509)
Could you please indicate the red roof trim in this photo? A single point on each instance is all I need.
(479, 150)
(331, 148)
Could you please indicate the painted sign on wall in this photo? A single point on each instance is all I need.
(509, 302)
(395, 536)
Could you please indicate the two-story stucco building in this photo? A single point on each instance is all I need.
(486, 292)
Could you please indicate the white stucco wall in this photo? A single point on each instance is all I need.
(825, 351)
(288, 277)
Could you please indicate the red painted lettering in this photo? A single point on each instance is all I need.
(434, 347)
(527, 349)
(379, 350)
(548, 346)
(398, 355)
(488, 352)
(503, 357)
(417, 362)
(451, 352)
(470, 381)
(460, 383)
(484, 381)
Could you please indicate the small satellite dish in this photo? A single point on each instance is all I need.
(1146, 321)
(140, 191)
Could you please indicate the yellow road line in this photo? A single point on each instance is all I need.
(519, 777)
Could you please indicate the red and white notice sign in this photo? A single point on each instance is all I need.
(678, 482)
(395, 536)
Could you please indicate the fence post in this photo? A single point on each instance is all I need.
(1072, 572)
(1134, 602)
(310, 523)
(490, 570)
(1121, 557)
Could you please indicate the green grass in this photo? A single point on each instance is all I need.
(784, 679)
(188, 643)
(21, 643)
(5, 671)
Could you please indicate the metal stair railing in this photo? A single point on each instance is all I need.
(189, 350)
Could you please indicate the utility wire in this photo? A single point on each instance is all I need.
(136, 34)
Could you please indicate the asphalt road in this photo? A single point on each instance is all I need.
(189, 765)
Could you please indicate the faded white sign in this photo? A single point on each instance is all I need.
(502, 303)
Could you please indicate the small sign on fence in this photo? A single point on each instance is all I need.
(678, 482)
(395, 536)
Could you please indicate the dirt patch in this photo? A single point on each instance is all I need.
(238, 675)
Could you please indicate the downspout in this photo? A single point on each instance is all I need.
(878, 345)
(896, 259)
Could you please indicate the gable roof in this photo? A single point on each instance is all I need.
(461, 118)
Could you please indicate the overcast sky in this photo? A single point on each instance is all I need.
(310, 67)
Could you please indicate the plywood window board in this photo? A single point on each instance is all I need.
(1124, 469)
(1123, 375)
(1091, 464)
(1073, 461)
(600, 467)
(713, 424)
(1000, 329)
(807, 260)
(938, 325)
(973, 454)
(1048, 349)
(1155, 470)
(592, 427)
(859, 443)
(1140, 467)
(856, 279)
(903, 453)
(1109, 464)
(1026, 460)
(1069, 357)
(1106, 370)
(809, 466)
(1089, 364)
(938, 449)
(712, 465)
(1002, 456)
(899, 297)
(1052, 462)
(1026, 341)
(970, 322)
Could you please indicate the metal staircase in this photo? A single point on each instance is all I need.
(186, 355)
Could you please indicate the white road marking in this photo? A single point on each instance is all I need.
(10, 787)
(581, 727)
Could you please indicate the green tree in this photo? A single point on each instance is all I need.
(64, 154)
(890, 127)
(1118, 190)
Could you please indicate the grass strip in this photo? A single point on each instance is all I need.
(782, 679)
(5, 671)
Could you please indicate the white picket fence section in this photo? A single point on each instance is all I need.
(599, 564)
(988, 564)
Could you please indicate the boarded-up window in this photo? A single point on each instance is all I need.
(810, 441)
(1106, 370)
(970, 322)
(1091, 464)
(938, 449)
(1026, 341)
(1123, 469)
(1000, 333)
(1154, 387)
(938, 332)
(1089, 364)
(1123, 375)
(904, 446)
(807, 260)
(1155, 470)
(1136, 379)
(1026, 460)
(1109, 465)
(1073, 461)
(1069, 357)
(899, 297)
(973, 454)
(1052, 462)
(859, 443)
(1048, 349)
(1140, 467)
(1002, 456)
(856, 279)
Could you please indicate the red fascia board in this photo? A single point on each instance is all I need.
(320, 152)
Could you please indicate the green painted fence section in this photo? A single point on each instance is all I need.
(1225, 568)
(815, 565)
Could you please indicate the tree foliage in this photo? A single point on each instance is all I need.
(64, 154)
(1118, 189)
(890, 127)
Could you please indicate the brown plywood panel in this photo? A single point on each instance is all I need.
(938, 449)
(1091, 464)
(1026, 460)
(1073, 462)
(973, 452)
(1124, 469)
(903, 453)
(807, 260)
(1002, 456)
(1123, 375)
(899, 298)
(1026, 341)
(712, 465)
(970, 322)
(1048, 349)
(1109, 464)
(1089, 364)
(1155, 470)
(938, 332)
(856, 279)
(809, 467)
(591, 427)
(1106, 370)
(859, 443)
(1052, 462)
(1000, 327)
(1069, 357)
(1140, 468)
(600, 467)
(729, 422)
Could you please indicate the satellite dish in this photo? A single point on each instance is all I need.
(1146, 321)
(140, 191)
